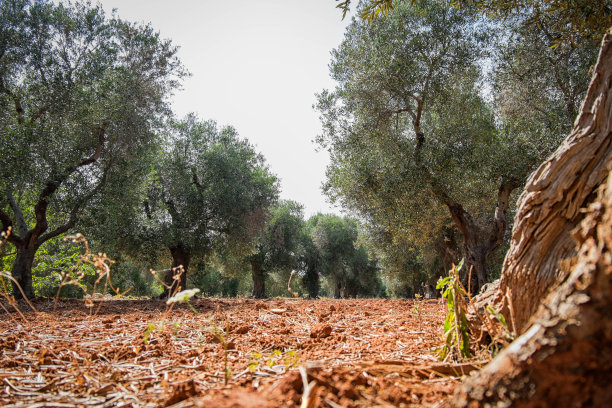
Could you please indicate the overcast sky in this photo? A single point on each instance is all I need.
(255, 65)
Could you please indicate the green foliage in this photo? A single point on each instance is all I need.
(404, 267)
(210, 182)
(569, 21)
(279, 246)
(456, 332)
(151, 327)
(537, 91)
(398, 76)
(213, 280)
(133, 278)
(340, 259)
(572, 20)
(288, 359)
(81, 95)
(371, 10)
(55, 258)
(310, 262)
(207, 193)
(497, 328)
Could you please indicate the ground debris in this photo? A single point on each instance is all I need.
(133, 354)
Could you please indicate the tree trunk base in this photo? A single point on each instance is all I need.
(565, 357)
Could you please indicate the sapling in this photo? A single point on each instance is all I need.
(418, 299)
(456, 334)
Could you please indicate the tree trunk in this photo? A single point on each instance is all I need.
(565, 357)
(180, 258)
(560, 304)
(311, 282)
(337, 290)
(447, 248)
(478, 243)
(22, 271)
(476, 249)
(475, 261)
(551, 205)
(259, 280)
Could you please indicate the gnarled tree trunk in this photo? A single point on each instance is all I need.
(478, 242)
(565, 357)
(559, 303)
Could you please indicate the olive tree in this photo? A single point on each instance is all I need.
(209, 189)
(334, 238)
(408, 94)
(81, 95)
(279, 246)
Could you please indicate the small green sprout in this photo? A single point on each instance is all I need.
(456, 333)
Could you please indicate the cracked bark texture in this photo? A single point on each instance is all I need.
(565, 357)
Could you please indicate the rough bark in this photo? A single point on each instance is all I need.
(551, 205)
(180, 258)
(259, 280)
(22, 270)
(565, 357)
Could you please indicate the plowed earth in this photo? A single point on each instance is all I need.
(280, 353)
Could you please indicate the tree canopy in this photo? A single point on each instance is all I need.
(570, 21)
(209, 189)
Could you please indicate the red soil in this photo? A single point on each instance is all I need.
(350, 353)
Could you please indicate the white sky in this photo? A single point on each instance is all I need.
(255, 65)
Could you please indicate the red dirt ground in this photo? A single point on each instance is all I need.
(351, 353)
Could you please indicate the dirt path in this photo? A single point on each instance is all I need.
(350, 352)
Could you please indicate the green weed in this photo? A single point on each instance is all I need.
(288, 359)
(418, 307)
(221, 337)
(456, 333)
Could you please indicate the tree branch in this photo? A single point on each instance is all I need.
(18, 107)
(6, 223)
(196, 180)
(40, 210)
(500, 223)
(22, 227)
(176, 218)
(41, 111)
(74, 213)
(147, 209)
